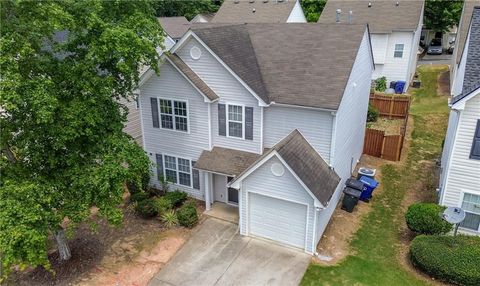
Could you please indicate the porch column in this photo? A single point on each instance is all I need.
(208, 186)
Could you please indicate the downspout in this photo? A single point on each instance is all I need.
(333, 139)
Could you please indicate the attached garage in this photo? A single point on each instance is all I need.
(282, 195)
(278, 220)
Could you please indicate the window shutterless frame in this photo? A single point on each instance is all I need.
(468, 211)
(174, 106)
(177, 170)
(228, 120)
(398, 52)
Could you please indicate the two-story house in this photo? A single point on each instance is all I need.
(244, 115)
(395, 28)
(460, 168)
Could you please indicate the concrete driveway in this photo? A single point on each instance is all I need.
(217, 255)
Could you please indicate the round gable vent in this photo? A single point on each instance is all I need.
(195, 53)
(277, 169)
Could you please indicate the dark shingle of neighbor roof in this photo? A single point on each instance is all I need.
(175, 27)
(382, 17)
(225, 161)
(464, 26)
(265, 12)
(471, 79)
(193, 77)
(297, 63)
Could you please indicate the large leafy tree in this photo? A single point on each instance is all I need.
(64, 66)
(187, 8)
(312, 9)
(441, 15)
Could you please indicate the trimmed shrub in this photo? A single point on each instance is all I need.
(176, 197)
(146, 208)
(425, 218)
(450, 259)
(132, 187)
(187, 215)
(163, 205)
(381, 84)
(138, 197)
(372, 115)
(170, 219)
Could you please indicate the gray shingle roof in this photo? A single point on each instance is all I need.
(225, 161)
(463, 27)
(175, 27)
(297, 63)
(193, 77)
(471, 79)
(382, 17)
(272, 11)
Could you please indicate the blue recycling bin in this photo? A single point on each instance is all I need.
(399, 86)
(369, 185)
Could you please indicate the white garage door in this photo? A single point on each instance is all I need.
(278, 220)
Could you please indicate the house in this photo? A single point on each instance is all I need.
(272, 129)
(395, 28)
(460, 163)
(462, 33)
(260, 11)
(174, 28)
(202, 18)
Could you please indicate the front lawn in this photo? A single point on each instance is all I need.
(375, 248)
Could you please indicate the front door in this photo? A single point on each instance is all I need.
(232, 193)
(220, 188)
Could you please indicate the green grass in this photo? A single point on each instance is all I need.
(375, 246)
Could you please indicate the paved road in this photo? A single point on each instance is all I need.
(444, 59)
(217, 255)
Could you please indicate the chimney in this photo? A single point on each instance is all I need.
(350, 17)
(339, 11)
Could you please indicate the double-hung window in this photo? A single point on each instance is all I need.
(235, 121)
(471, 206)
(174, 114)
(178, 170)
(398, 53)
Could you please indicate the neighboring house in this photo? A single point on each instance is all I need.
(460, 173)
(462, 33)
(272, 11)
(174, 28)
(448, 37)
(241, 116)
(202, 18)
(395, 28)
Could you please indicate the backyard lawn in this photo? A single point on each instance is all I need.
(377, 249)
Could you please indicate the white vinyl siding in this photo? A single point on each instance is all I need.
(297, 16)
(132, 126)
(285, 187)
(315, 125)
(379, 47)
(463, 173)
(230, 91)
(172, 85)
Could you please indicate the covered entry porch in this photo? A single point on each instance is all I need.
(220, 166)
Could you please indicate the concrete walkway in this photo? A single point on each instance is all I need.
(217, 255)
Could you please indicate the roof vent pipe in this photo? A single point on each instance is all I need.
(253, 10)
(265, 1)
(398, 3)
(251, 1)
(369, 4)
(339, 11)
(350, 17)
(236, 1)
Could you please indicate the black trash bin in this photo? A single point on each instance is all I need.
(350, 198)
(355, 184)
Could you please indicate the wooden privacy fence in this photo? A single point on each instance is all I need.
(378, 144)
(391, 106)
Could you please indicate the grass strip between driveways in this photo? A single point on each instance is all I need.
(375, 247)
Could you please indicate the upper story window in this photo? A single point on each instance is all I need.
(235, 121)
(178, 170)
(398, 53)
(174, 114)
(475, 151)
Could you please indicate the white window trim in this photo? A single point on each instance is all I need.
(395, 50)
(172, 101)
(228, 120)
(177, 170)
(462, 197)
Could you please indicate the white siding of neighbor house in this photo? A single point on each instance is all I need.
(463, 173)
(379, 47)
(171, 84)
(448, 147)
(230, 90)
(286, 187)
(413, 54)
(459, 74)
(297, 16)
(395, 69)
(315, 125)
(132, 126)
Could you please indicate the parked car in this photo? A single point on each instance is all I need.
(435, 47)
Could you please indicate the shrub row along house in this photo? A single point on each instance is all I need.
(241, 114)
(460, 172)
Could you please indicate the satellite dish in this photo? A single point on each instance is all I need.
(454, 215)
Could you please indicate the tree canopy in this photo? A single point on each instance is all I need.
(312, 9)
(187, 8)
(441, 15)
(64, 66)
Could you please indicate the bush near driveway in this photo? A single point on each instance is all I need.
(176, 197)
(455, 260)
(163, 205)
(187, 214)
(425, 218)
(138, 197)
(146, 208)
